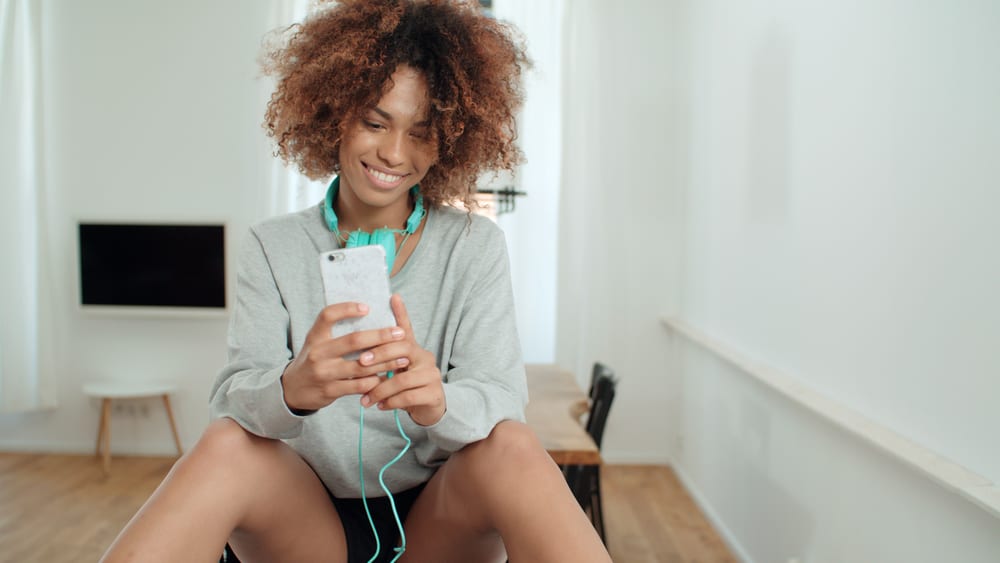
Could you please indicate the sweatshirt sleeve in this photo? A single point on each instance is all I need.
(485, 379)
(248, 388)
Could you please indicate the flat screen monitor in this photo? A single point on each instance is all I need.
(152, 265)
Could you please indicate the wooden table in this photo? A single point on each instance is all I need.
(552, 393)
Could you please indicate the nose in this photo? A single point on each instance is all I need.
(392, 148)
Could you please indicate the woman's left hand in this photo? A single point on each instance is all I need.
(416, 388)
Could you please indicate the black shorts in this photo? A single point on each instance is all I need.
(360, 539)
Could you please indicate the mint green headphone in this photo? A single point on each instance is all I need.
(385, 236)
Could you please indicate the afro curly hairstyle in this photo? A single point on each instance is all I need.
(338, 63)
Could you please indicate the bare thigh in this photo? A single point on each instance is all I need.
(459, 515)
(437, 528)
(286, 514)
(497, 497)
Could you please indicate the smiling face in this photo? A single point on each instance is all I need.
(384, 153)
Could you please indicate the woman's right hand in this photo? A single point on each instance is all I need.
(319, 374)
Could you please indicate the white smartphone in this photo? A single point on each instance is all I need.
(358, 274)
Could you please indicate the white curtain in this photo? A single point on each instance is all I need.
(286, 189)
(533, 228)
(24, 385)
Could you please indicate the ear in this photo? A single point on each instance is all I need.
(338, 142)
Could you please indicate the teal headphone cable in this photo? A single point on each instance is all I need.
(392, 502)
(387, 239)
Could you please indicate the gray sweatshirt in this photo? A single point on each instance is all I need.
(457, 291)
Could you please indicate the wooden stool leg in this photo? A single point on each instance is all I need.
(105, 407)
(106, 433)
(173, 427)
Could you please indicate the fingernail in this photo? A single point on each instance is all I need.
(362, 308)
(397, 332)
(367, 357)
(366, 400)
(402, 362)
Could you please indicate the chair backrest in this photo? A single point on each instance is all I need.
(599, 370)
(581, 478)
(602, 396)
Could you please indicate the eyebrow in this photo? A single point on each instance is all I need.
(388, 116)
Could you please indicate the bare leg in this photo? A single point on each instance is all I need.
(508, 487)
(258, 493)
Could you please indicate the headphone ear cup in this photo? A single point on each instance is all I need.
(329, 215)
(413, 221)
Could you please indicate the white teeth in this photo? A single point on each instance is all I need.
(383, 177)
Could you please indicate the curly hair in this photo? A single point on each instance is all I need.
(338, 63)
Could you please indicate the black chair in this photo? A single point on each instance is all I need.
(585, 480)
(581, 411)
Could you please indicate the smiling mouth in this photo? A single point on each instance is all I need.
(383, 178)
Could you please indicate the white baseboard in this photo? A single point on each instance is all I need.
(947, 473)
(626, 457)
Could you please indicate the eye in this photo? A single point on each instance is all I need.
(373, 125)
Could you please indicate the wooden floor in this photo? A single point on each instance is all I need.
(61, 508)
(651, 518)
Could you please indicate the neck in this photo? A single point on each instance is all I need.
(353, 214)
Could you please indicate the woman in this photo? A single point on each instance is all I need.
(407, 102)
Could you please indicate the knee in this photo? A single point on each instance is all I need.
(223, 441)
(512, 436)
(509, 444)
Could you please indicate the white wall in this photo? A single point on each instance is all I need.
(532, 230)
(823, 188)
(152, 114)
(841, 212)
(620, 211)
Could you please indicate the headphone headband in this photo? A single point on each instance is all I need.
(412, 222)
(385, 237)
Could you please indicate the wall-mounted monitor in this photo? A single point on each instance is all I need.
(152, 266)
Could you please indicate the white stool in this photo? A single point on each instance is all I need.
(106, 391)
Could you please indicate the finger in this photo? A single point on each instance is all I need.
(387, 352)
(399, 310)
(399, 383)
(368, 366)
(331, 315)
(324, 366)
(338, 368)
(388, 387)
(364, 340)
(355, 386)
(409, 399)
